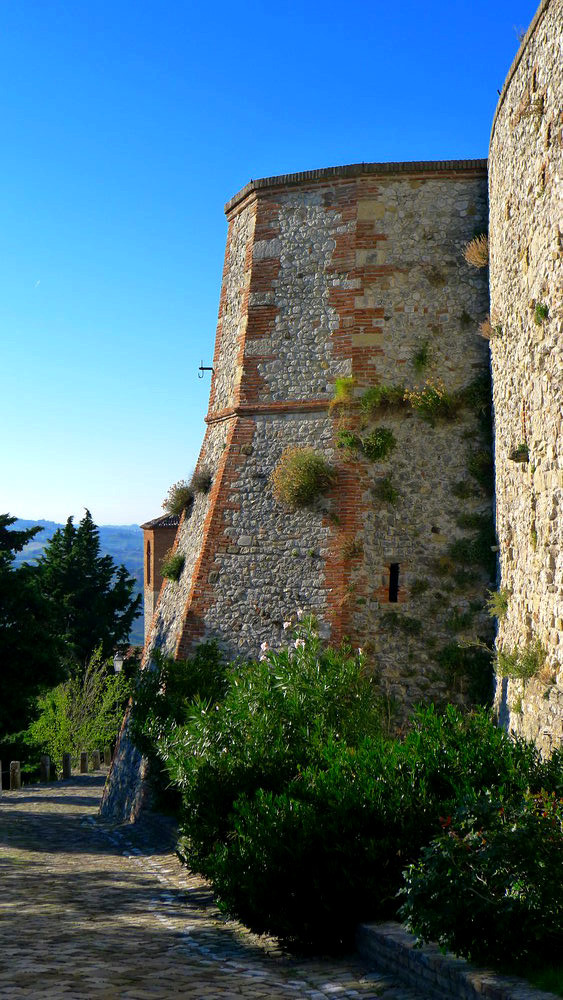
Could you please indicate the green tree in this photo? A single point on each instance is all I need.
(91, 598)
(29, 654)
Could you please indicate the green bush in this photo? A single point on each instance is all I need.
(523, 663)
(172, 565)
(301, 476)
(349, 440)
(379, 444)
(432, 402)
(83, 713)
(384, 490)
(343, 391)
(489, 886)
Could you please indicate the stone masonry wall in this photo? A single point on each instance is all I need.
(352, 272)
(526, 240)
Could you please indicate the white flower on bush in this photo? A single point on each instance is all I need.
(287, 625)
(299, 644)
(264, 646)
(300, 613)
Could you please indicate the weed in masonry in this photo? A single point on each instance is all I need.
(349, 440)
(402, 623)
(480, 466)
(418, 587)
(421, 357)
(300, 477)
(432, 401)
(381, 397)
(520, 454)
(497, 602)
(172, 565)
(541, 312)
(384, 490)
(179, 497)
(201, 480)
(343, 391)
(378, 445)
(521, 664)
(476, 252)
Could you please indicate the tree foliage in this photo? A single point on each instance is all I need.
(29, 653)
(92, 603)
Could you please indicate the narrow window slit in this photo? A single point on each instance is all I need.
(394, 583)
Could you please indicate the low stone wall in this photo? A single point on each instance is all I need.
(392, 949)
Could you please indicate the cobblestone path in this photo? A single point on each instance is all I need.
(88, 911)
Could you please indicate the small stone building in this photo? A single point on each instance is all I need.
(158, 537)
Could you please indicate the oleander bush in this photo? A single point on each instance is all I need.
(300, 477)
(292, 799)
(488, 887)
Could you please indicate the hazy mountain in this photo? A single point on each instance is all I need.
(123, 542)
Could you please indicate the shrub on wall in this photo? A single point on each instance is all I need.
(300, 477)
(201, 480)
(521, 663)
(476, 251)
(381, 397)
(179, 497)
(432, 401)
(172, 565)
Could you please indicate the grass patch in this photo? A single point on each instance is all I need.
(172, 565)
(379, 397)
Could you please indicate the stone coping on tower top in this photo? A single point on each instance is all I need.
(357, 170)
(164, 521)
(516, 61)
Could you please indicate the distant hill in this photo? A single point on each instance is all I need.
(123, 542)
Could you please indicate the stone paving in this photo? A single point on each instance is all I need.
(93, 911)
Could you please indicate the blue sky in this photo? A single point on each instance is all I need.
(125, 128)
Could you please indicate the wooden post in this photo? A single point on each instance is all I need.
(15, 775)
(45, 773)
(95, 760)
(67, 769)
(107, 756)
(84, 762)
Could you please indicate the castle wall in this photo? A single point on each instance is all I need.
(345, 272)
(527, 359)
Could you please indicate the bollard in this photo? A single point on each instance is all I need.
(0, 777)
(45, 768)
(84, 762)
(107, 756)
(95, 760)
(67, 766)
(15, 775)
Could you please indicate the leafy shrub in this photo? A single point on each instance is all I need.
(476, 251)
(178, 499)
(172, 565)
(300, 476)
(380, 397)
(522, 663)
(432, 401)
(83, 713)
(497, 602)
(379, 444)
(487, 887)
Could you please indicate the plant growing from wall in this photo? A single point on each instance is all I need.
(476, 252)
(382, 397)
(379, 444)
(201, 480)
(432, 402)
(172, 565)
(497, 602)
(343, 391)
(385, 491)
(401, 623)
(541, 312)
(348, 440)
(521, 663)
(421, 357)
(300, 477)
(480, 466)
(520, 453)
(179, 497)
